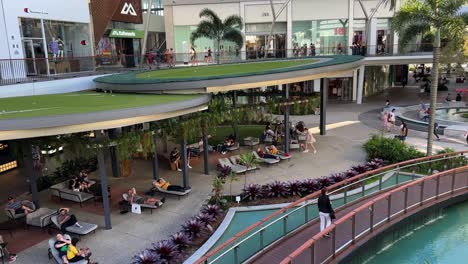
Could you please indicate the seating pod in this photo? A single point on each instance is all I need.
(265, 160)
(53, 252)
(235, 160)
(85, 228)
(62, 191)
(225, 162)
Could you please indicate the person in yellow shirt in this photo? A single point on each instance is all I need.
(75, 255)
(165, 185)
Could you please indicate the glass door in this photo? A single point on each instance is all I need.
(30, 57)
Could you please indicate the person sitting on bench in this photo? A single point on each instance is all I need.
(65, 219)
(165, 185)
(133, 197)
(61, 245)
(17, 207)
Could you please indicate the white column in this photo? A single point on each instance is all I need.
(355, 81)
(350, 24)
(396, 38)
(317, 85)
(372, 38)
(242, 15)
(289, 31)
(45, 47)
(360, 85)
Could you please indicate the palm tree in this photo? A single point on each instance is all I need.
(417, 17)
(212, 27)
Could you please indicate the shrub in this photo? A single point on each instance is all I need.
(337, 177)
(252, 191)
(193, 227)
(276, 189)
(324, 182)
(181, 240)
(390, 149)
(212, 209)
(146, 257)
(309, 186)
(166, 250)
(294, 188)
(360, 168)
(350, 173)
(205, 219)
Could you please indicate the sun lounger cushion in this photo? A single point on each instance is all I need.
(235, 147)
(265, 160)
(85, 228)
(187, 191)
(280, 156)
(234, 167)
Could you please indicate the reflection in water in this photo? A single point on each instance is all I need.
(452, 114)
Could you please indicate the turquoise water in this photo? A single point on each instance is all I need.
(451, 114)
(441, 241)
(242, 220)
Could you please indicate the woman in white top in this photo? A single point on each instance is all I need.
(310, 140)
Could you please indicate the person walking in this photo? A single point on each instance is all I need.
(326, 212)
(436, 127)
(403, 131)
(310, 140)
(392, 117)
(385, 121)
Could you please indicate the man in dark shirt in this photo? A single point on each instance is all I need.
(17, 207)
(325, 210)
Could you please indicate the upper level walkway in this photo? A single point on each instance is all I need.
(275, 237)
(43, 69)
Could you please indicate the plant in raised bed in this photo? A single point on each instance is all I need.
(324, 181)
(213, 210)
(146, 257)
(309, 186)
(193, 228)
(337, 177)
(276, 189)
(206, 219)
(252, 192)
(181, 240)
(350, 173)
(166, 250)
(360, 168)
(294, 188)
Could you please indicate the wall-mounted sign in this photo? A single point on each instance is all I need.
(126, 33)
(339, 31)
(129, 11)
(29, 11)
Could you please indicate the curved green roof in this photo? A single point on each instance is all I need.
(211, 72)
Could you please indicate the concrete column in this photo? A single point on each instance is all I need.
(183, 151)
(355, 81)
(350, 25)
(317, 85)
(286, 119)
(396, 38)
(323, 105)
(155, 163)
(27, 152)
(205, 154)
(115, 162)
(360, 90)
(289, 30)
(242, 15)
(104, 191)
(372, 36)
(234, 105)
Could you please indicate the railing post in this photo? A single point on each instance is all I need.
(236, 255)
(312, 253)
(389, 207)
(437, 187)
(380, 182)
(334, 241)
(353, 228)
(345, 198)
(453, 182)
(306, 214)
(406, 199)
(413, 175)
(285, 225)
(397, 174)
(421, 195)
(261, 238)
(371, 219)
(363, 185)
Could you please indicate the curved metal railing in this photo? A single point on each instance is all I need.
(383, 209)
(270, 229)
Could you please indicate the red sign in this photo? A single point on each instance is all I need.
(339, 31)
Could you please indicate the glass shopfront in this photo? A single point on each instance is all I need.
(256, 40)
(340, 89)
(46, 43)
(328, 36)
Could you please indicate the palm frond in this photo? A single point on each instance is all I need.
(205, 29)
(411, 31)
(235, 36)
(233, 21)
(211, 16)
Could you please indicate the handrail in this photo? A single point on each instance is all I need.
(309, 243)
(204, 258)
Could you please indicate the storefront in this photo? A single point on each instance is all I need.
(256, 40)
(119, 47)
(328, 36)
(340, 89)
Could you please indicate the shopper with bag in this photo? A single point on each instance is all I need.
(326, 212)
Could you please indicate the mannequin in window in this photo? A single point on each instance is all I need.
(54, 47)
(61, 47)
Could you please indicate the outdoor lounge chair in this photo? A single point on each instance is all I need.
(233, 148)
(179, 194)
(279, 155)
(235, 160)
(41, 217)
(85, 228)
(53, 252)
(265, 160)
(18, 216)
(225, 162)
(143, 206)
(251, 141)
(62, 191)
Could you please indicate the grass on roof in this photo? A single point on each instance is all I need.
(220, 70)
(79, 103)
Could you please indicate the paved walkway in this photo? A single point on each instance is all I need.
(337, 151)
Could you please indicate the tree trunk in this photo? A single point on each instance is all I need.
(435, 82)
(218, 53)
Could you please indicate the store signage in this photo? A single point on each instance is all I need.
(29, 11)
(339, 31)
(129, 11)
(126, 33)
